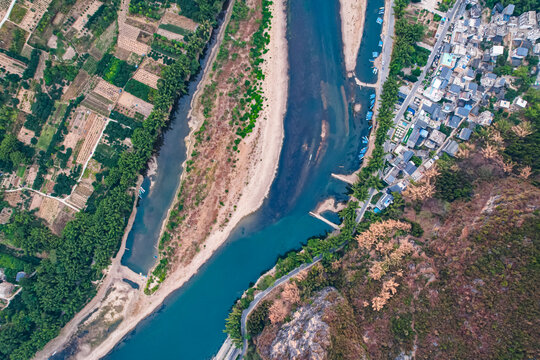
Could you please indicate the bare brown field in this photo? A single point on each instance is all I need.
(179, 20)
(93, 126)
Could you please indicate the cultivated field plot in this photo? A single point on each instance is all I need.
(132, 45)
(152, 66)
(179, 20)
(81, 21)
(11, 65)
(146, 27)
(25, 135)
(12, 37)
(146, 78)
(170, 35)
(26, 98)
(132, 104)
(78, 87)
(80, 195)
(98, 103)
(36, 10)
(93, 126)
(107, 90)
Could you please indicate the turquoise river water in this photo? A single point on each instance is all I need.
(190, 323)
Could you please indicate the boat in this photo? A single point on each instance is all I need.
(372, 102)
(372, 96)
(371, 60)
(379, 20)
(370, 126)
(381, 12)
(380, 43)
(375, 70)
(374, 54)
(369, 115)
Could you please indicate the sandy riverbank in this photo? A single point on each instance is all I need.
(264, 147)
(353, 14)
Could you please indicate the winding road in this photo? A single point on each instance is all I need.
(260, 296)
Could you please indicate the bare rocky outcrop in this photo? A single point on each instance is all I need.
(307, 335)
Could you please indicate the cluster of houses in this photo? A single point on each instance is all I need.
(461, 88)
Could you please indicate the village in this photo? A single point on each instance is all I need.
(78, 78)
(480, 70)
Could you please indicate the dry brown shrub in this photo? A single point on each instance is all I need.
(489, 152)
(278, 311)
(523, 129)
(507, 166)
(377, 270)
(291, 293)
(419, 192)
(388, 290)
(496, 137)
(463, 153)
(431, 173)
(525, 172)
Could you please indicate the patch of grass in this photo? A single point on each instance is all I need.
(46, 137)
(20, 171)
(107, 38)
(90, 65)
(17, 13)
(175, 29)
(140, 90)
(60, 111)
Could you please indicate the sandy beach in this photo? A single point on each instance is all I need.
(352, 14)
(264, 147)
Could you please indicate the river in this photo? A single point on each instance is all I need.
(190, 323)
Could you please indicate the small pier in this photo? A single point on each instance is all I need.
(328, 222)
(349, 179)
(363, 84)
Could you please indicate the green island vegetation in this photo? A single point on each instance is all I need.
(18, 39)
(32, 65)
(245, 113)
(58, 73)
(45, 157)
(140, 90)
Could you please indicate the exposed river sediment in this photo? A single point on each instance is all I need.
(189, 324)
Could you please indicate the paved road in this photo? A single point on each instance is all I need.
(388, 44)
(436, 48)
